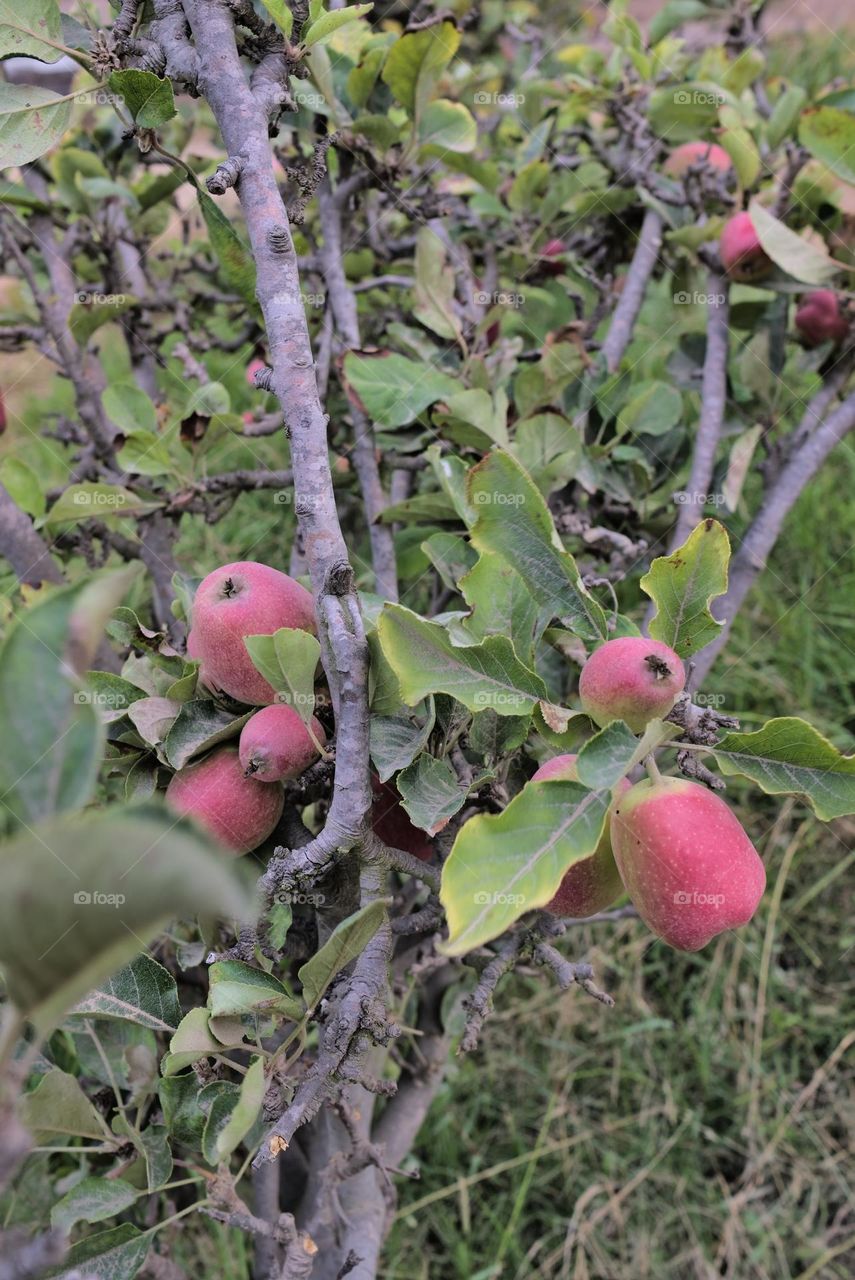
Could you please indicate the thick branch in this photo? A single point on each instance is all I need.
(713, 400)
(758, 542)
(635, 281)
(24, 548)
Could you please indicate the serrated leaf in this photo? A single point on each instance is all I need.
(92, 1200)
(237, 988)
(220, 1097)
(348, 940)
(431, 792)
(503, 865)
(515, 522)
(326, 24)
(787, 756)
(117, 877)
(425, 661)
(245, 1111)
(32, 120)
(288, 660)
(57, 733)
(611, 753)
(199, 725)
(654, 409)
(683, 584)
(397, 740)
(829, 134)
(143, 992)
(415, 63)
(394, 390)
(145, 96)
(236, 261)
(116, 1254)
(802, 259)
(501, 603)
(26, 25)
(58, 1105)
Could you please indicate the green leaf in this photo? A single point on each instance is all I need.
(683, 584)
(58, 1106)
(324, 26)
(451, 556)
(144, 454)
(279, 12)
(200, 724)
(549, 447)
(32, 120)
(90, 501)
(448, 125)
(115, 878)
(245, 1112)
(394, 390)
(673, 14)
(179, 1101)
(153, 1145)
(654, 409)
(785, 113)
(348, 940)
(787, 756)
(220, 1097)
(143, 992)
(129, 407)
(501, 603)
(24, 27)
(193, 1040)
(397, 740)
(233, 254)
(148, 98)
(237, 988)
(288, 660)
(514, 522)
(425, 661)
(87, 316)
(57, 733)
(92, 1200)
(431, 792)
(116, 1254)
(416, 62)
(503, 865)
(802, 259)
(23, 484)
(829, 135)
(434, 287)
(611, 753)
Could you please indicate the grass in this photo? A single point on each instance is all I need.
(702, 1128)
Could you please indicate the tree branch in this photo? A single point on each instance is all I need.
(635, 282)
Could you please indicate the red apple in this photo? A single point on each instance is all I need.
(686, 862)
(682, 158)
(742, 254)
(819, 318)
(239, 812)
(275, 744)
(633, 679)
(392, 823)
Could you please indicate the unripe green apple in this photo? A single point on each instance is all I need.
(687, 864)
(633, 679)
(238, 811)
(275, 744)
(819, 318)
(237, 600)
(593, 883)
(742, 254)
(683, 157)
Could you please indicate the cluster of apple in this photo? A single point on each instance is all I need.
(819, 317)
(236, 792)
(674, 846)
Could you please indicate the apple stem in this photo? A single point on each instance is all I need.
(652, 768)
